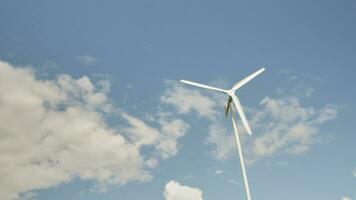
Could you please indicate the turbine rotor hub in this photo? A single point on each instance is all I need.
(230, 92)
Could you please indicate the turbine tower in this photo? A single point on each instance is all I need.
(236, 103)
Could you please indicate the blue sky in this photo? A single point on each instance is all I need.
(115, 65)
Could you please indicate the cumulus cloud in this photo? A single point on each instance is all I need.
(54, 131)
(87, 60)
(175, 191)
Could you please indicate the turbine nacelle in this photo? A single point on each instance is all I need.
(227, 107)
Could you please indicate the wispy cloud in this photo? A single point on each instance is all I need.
(221, 140)
(219, 172)
(282, 124)
(309, 92)
(175, 191)
(87, 60)
(171, 131)
(186, 100)
(188, 177)
(233, 181)
(287, 126)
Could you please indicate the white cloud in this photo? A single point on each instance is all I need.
(82, 90)
(218, 172)
(152, 162)
(164, 139)
(87, 60)
(51, 132)
(186, 100)
(287, 126)
(54, 131)
(175, 191)
(187, 177)
(233, 181)
(354, 173)
(222, 142)
(171, 131)
(345, 198)
(285, 109)
(139, 132)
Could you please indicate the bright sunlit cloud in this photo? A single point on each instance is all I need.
(175, 191)
(53, 130)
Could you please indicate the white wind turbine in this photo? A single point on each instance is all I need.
(236, 102)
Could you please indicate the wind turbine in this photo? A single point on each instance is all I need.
(236, 102)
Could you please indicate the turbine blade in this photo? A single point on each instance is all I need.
(241, 113)
(247, 79)
(202, 86)
(242, 164)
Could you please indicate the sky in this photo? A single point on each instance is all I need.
(91, 106)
